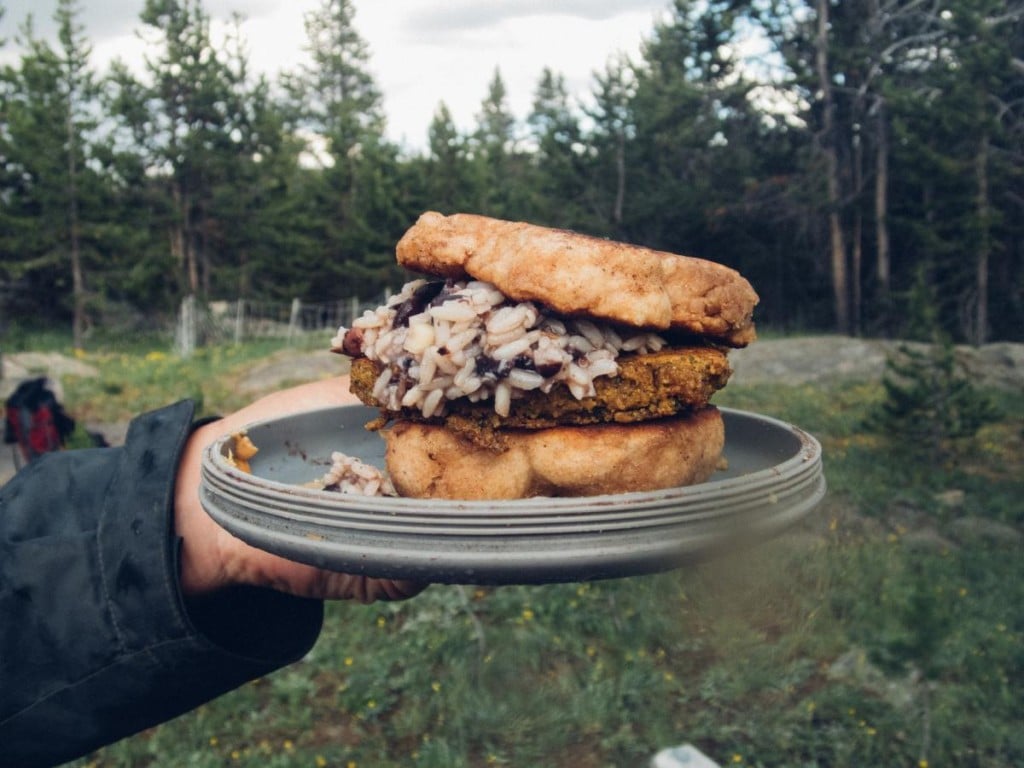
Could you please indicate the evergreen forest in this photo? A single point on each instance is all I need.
(866, 172)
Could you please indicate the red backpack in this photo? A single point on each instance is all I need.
(36, 421)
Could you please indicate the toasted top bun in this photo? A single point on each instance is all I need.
(576, 274)
(428, 461)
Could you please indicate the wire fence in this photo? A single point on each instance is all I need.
(219, 322)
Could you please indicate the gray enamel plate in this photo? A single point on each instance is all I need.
(774, 478)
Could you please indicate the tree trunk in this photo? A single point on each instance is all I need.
(203, 251)
(883, 265)
(983, 211)
(243, 272)
(620, 182)
(837, 248)
(181, 239)
(857, 244)
(77, 275)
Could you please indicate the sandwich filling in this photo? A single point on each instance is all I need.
(441, 341)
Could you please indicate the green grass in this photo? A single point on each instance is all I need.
(867, 637)
(134, 381)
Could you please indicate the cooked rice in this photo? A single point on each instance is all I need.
(465, 339)
(350, 475)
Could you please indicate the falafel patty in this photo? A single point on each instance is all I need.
(649, 386)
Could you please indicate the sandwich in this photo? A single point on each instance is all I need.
(530, 361)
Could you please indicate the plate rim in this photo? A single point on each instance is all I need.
(535, 541)
(807, 457)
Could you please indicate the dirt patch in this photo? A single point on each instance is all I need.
(289, 367)
(18, 366)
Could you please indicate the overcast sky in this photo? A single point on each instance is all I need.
(422, 51)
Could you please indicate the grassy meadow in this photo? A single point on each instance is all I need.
(886, 630)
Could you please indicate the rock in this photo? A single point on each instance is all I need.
(999, 365)
(813, 359)
(980, 530)
(810, 359)
(951, 500)
(927, 540)
(855, 668)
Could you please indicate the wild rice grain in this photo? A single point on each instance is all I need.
(503, 398)
(511, 350)
(471, 342)
(431, 403)
(524, 380)
(453, 311)
(380, 385)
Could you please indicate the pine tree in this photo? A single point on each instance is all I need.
(450, 183)
(694, 129)
(929, 398)
(334, 94)
(357, 212)
(495, 147)
(614, 128)
(48, 105)
(190, 113)
(558, 180)
(79, 92)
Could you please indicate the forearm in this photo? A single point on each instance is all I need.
(95, 636)
(123, 604)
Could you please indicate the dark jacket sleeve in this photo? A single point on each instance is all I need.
(96, 641)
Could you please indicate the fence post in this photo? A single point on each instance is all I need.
(185, 338)
(293, 320)
(239, 320)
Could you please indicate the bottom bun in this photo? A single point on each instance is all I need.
(430, 462)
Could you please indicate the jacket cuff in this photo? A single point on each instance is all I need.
(242, 625)
(107, 645)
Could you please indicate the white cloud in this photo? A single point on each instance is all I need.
(423, 51)
(460, 15)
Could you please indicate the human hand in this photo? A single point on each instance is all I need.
(212, 558)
